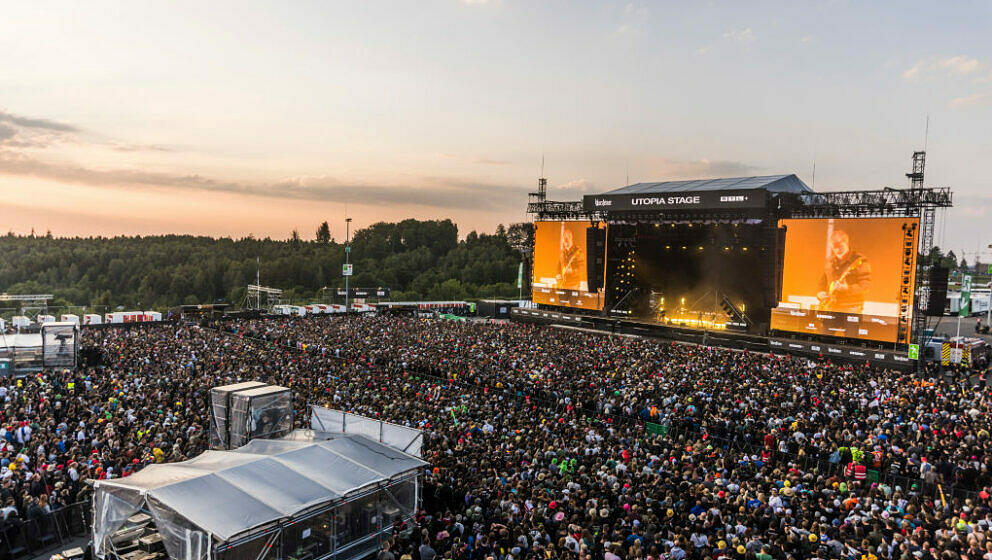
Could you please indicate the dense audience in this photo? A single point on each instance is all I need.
(551, 443)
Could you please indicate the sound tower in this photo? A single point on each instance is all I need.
(938, 291)
(595, 257)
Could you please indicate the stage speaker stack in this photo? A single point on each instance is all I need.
(595, 257)
(938, 291)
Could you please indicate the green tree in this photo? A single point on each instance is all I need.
(324, 233)
(414, 258)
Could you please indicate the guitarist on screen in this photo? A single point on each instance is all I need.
(846, 277)
(570, 261)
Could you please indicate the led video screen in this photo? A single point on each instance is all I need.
(849, 278)
(560, 274)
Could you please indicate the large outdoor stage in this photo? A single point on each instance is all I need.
(761, 261)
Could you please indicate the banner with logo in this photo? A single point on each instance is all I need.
(699, 200)
(965, 309)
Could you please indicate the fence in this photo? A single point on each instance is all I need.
(25, 539)
(408, 440)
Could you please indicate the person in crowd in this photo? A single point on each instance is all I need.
(550, 444)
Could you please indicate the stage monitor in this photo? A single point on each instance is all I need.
(849, 278)
(560, 274)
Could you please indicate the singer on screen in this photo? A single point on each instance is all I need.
(570, 261)
(846, 277)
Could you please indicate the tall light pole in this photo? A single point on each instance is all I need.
(347, 260)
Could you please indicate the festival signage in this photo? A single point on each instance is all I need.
(699, 200)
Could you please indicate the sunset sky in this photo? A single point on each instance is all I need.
(237, 118)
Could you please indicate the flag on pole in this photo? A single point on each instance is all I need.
(964, 309)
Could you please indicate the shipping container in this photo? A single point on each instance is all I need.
(118, 317)
(92, 319)
(69, 318)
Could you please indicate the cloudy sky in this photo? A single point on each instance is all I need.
(230, 118)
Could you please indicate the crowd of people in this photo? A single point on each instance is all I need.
(547, 443)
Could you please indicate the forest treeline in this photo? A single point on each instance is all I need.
(415, 259)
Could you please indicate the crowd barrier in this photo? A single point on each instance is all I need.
(408, 440)
(941, 489)
(28, 538)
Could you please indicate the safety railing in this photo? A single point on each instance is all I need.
(28, 538)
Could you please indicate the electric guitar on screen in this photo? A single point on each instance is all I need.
(828, 300)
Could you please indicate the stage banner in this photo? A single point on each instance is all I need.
(364, 292)
(701, 200)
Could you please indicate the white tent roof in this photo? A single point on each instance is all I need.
(227, 493)
(20, 340)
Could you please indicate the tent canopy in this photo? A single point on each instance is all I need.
(770, 183)
(227, 493)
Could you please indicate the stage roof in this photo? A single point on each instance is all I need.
(770, 183)
(229, 492)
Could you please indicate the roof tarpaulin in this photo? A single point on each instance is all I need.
(736, 193)
(770, 183)
(226, 493)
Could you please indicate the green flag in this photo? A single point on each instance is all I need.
(964, 309)
(453, 417)
(520, 276)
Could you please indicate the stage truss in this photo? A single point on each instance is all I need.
(262, 297)
(555, 210)
(29, 304)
